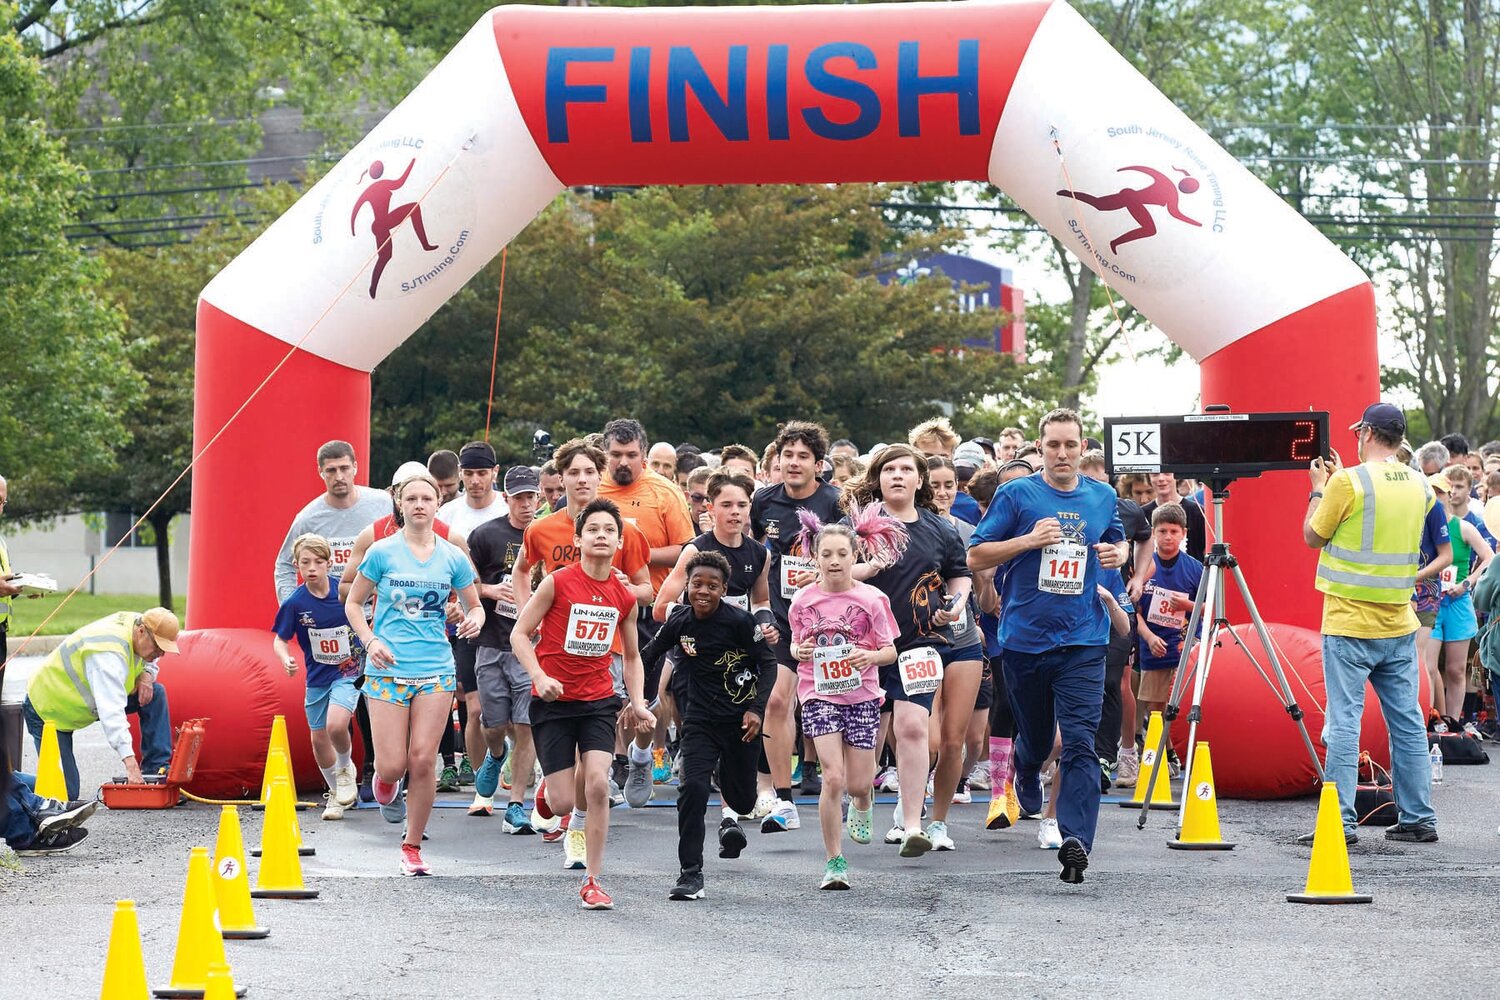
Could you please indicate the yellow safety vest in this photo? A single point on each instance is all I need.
(60, 691)
(1373, 554)
(4, 601)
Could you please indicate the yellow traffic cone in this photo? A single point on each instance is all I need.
(220, 984)
(1161, 795)
(124, 967)
(198, 941)
(1200, 819)
(50, 783)
(277, 766)
(280, 875)
(1328, 877)
(232, 882)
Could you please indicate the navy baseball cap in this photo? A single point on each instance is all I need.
(1382, 417)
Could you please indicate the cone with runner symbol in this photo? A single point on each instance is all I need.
(232, 881)
(1328, 876)
(277, 766)
(199, 943)
(280, 875)
(124, 967)
(220, 984)
(1200, 817)
(50, 783)
(1161, 795)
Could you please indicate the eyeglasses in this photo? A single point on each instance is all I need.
(698, 497)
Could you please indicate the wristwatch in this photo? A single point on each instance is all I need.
(1315, 494)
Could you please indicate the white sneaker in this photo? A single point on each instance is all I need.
(962, 796)
(334, 809)
(346, 786)
(764, 803)
(782, 818)
(895, 834)
(887, 781)
(937, 832)
(575, 850)
(980, 777)
(1048, 836)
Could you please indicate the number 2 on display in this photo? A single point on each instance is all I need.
(1310, 429)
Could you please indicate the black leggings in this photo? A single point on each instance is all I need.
(1002, 721)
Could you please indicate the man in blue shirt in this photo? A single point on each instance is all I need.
(1054, 532)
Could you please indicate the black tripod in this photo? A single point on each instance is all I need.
(1208, 622)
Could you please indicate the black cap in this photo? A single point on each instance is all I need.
(477, 455)
(522, 479)
(1382, 417)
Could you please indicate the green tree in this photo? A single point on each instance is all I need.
(65, 380)
(711, 314)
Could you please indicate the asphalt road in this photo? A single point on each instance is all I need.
(990, 918)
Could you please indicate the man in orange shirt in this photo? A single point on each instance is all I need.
(655, 505)
(550, 542)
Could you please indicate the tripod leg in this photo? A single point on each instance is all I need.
(1206, 651)
(1204, 614)
(1288, 701)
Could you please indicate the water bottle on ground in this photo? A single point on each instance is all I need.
(1436, 756)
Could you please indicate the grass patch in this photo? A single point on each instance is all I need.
(27, 614)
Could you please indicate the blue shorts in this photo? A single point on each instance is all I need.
(341, 692)
(1455, 620)
(404, 690)
(974, 651)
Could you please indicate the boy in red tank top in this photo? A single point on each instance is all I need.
(580, 609)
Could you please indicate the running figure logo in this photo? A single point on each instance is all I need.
(1137, 201)
(386, 218)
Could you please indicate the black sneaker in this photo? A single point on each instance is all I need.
(58, 841)
(731, 840)
(52, 815)
(689, 886)
(812, 779)
(619, 771)
(1413, 833)
(1350, 838)
(1074, 859)
(1106, 775)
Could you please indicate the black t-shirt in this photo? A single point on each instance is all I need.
(494, 547)
(729, 668)
(1137, 529)
(1197, 533)
(773, 520)
(916, 584)
(745, 563)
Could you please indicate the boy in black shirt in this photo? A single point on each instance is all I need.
(730, 671)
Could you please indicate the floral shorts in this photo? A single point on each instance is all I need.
(403, 690)
(860, 722)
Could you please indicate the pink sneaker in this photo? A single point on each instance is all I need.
(411, 861)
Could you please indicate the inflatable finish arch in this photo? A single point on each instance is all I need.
(535, 99)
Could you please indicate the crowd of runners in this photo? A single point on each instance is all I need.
(933, 618)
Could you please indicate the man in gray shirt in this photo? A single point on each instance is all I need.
(339, 515)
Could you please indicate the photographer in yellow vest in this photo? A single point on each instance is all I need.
(101, 673)
(1369, 523)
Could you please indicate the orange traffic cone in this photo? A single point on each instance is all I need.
(1328, 877)
(1200, 819)
(124, 967)
(280, 875)
(1161, 795)
(232, 882)
(199, 943)
(277, 766)
(50, 783)
(220, 984)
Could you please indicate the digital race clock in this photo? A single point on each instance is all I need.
(1215, 445)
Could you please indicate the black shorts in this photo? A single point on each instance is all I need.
(562, 730)
(783, 648)
(646, 628)
(985, 696)
(464, 655)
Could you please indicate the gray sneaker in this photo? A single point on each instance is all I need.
(52, 814)
(395, 810)
(638, 789)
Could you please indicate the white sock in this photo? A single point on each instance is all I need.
(580, 817)
(345, 759)
(640, 755)
(329, 777)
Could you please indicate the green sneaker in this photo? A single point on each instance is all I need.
(466, 772)
(835, 874)
(858, 823)
(448, 780)
(505, 771)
